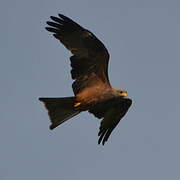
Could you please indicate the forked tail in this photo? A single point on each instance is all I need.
(60, 109)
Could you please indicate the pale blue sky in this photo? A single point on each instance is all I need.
(143, 38)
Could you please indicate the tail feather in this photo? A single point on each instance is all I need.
(59, 109)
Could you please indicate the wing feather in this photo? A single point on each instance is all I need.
(112, 111)
(90, 57)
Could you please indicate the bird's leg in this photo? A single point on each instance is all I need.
(77, 104)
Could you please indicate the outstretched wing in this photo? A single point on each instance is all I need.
(90, 57)
(112, 112)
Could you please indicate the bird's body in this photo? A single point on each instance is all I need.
(91, 86)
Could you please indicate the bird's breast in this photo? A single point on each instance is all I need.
(94, 95)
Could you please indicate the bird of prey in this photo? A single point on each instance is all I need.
(91, 86)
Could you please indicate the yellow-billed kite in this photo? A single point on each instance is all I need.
(91, 86)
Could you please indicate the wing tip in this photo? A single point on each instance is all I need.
(49, 29)
(52, 126)
(102, 137)
(53, 17)
(49, 23)
(61, 16)
(103, 142)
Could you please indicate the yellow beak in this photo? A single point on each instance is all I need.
(124, 94)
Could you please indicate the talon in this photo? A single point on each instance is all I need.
(77, 104)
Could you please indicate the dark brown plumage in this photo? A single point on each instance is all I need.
(91, 85)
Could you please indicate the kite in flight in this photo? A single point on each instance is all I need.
(91, 86)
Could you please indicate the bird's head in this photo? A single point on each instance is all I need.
(121, 92)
